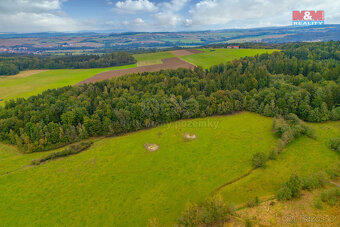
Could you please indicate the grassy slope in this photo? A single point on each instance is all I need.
(210, 58)
(23, 87)
(303, 156)
(152, 58)
(117, 181)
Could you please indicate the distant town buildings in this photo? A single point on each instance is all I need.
(233, 47)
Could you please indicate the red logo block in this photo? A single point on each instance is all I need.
(308, 15)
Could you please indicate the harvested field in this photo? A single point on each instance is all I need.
(170, 63)
(180, 53)
(26, 73)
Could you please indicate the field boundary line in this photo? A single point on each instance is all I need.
(233, 181)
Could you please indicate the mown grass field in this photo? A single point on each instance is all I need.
(24, 86)
(118, 183)
(212, 57)
(152, 58)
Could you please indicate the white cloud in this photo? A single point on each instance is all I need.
(174, 5)
(166, 19)
(169, 16)
(135, 6)
(217, 12)
(135, 22)
(35, 16)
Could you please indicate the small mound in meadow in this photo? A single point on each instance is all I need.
(188, 136)
(151, 147)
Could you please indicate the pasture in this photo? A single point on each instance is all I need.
(118, 182)
(211, 57)
(27, 84)
(152, 58)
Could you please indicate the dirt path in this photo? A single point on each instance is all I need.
(170, 63)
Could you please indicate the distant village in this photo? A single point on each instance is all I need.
(18, 50)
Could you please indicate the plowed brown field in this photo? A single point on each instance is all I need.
(170, 63)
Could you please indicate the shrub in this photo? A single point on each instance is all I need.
(331, 196)
(191, 215)
(73, 149)
(335, 171)
(335, 144)
(295, 185)
(322, 178)
(310, 183)
(259, 159)
(290, 189)
(289, 128)
(273, 154)
(213, 210)
(284, 193)
(254, 202)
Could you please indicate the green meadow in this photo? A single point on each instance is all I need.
(117, 182)
(25, 86)
(152, 58)
(211, 57)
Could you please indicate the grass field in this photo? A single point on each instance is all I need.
(117, 182)
(152, 58)
(212, 57)
(22, 86)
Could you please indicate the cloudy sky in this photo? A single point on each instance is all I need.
(153, 15)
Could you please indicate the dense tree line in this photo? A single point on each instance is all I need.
(270, 84)
(13, 65)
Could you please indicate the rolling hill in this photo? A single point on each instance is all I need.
(118, 182)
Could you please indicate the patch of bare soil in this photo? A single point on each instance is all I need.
(297, 212)
(188, 136)
(27, 73)
(151, 147)
(194, 51)
(170, 63)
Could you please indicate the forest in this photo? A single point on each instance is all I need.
(11, 65)
(303, 79)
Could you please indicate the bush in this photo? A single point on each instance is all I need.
(191, 216)
(213, 210)
(335, 144)
(273, 155)
(73, 149)
(314, 181)
(254, 202)
(310, 183)
(284, 193)
(290, 189)
(335, 171)
(330, 196)
(289, 128)
(259, 160)
(295, 185)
